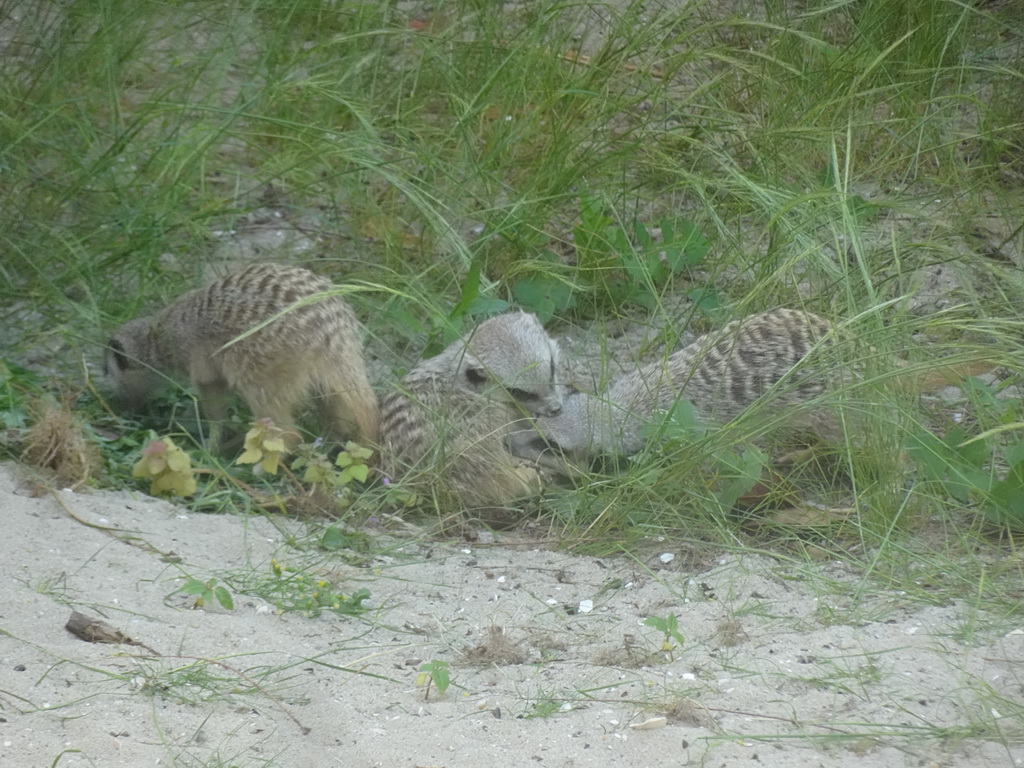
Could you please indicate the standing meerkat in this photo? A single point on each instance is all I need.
(446, 425)
(309, 348)
(786, 354)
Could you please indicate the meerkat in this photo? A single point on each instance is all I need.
(786, 354)
(721, 374)
(445, 426)
(299, 345)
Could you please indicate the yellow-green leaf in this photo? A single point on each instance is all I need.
(249, 456)
(356, 472)
(174, 483)
(270, 462)
(178, 460)
(357, 451)
(274, 444)
(168, 466)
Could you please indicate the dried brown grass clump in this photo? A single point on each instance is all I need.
(497, 648)
(689, 712)
(56, 442)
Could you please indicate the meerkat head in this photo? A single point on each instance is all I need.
(512, 353)
(125, 367)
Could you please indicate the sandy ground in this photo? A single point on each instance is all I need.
(781, 666)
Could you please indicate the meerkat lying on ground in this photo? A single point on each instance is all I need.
(314, 351)
(445, 427)
(789, 353)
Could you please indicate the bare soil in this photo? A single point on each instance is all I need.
(782, 665)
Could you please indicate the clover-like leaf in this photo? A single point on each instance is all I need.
(354, 472)
(352, 462)
(264, 444)
(357, 451)
(317, 473)
(168, 468)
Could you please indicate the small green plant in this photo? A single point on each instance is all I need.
(543, 708)
(733, 470)
(626, 261)
(545, 291)
(618, 264)
(669, 627)
(335, 538)
(957, 465)
(264, 445)
(966, 469)
(292, 589)
(17, 387)
(207, 592)
(352, 462)
(317, 468)
(472, 303)
(1004, 504)
(168, 468)
(434, 672)
(988, 468)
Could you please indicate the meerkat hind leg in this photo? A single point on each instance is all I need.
(214, 398)
(346, 413)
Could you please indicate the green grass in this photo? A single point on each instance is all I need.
(831, 154)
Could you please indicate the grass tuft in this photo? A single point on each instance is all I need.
(674, 164)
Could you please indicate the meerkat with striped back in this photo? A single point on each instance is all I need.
(721, 374)
(444, 428)
(264, 332)
(787, 355)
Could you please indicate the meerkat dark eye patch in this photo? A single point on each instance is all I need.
(475, 376)
(522, 395)
(120, 358)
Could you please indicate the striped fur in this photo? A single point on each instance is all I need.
(721, 374)
(314, 351)
(444, 426)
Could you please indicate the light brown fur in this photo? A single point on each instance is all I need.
(444, 428)
(313, 351)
